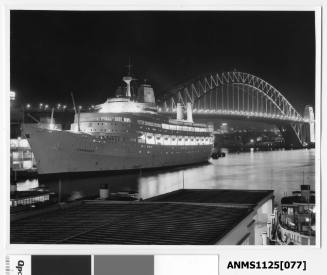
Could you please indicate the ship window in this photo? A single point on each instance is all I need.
(166, 140)
(158, 139)
(187, 141)
(141, 138)
(150, 139)
(181, 141)
(192, 142)
(173, 140)
(290, 211)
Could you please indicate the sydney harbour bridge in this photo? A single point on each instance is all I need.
(243, 96)
(234, 95)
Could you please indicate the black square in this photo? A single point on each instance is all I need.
(61, 264)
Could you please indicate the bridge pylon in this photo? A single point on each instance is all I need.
(309, 116)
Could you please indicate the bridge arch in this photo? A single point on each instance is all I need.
(263, 100)
(240, 94)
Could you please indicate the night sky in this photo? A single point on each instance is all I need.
(54, 53)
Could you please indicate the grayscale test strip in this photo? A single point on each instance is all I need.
(111, 264)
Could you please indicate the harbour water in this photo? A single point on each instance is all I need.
(282, 171)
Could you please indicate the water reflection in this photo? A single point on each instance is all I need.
(281, 171)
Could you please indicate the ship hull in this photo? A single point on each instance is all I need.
(63, 152)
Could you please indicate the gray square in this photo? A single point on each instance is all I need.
(124, 265)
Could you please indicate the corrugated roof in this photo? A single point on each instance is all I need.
(221, 196)
(142, 223)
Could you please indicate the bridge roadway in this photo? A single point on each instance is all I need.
(284, 125)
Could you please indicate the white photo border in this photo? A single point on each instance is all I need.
(154, 249)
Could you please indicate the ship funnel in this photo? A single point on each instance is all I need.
(127, 80)
(189, 112)
(179, 112)
(305, 192)
(145, 94)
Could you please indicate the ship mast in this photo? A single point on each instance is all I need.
(78, 114)
(128, 79)
(51, 120)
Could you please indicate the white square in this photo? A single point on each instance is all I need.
(186, 264)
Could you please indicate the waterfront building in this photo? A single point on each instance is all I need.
(183, 217)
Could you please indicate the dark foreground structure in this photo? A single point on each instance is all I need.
(183, 217)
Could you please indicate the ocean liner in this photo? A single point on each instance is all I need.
(123, 133)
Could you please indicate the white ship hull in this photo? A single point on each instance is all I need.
(59, 151)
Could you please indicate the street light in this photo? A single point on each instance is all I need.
(12, 95)
(28, 106)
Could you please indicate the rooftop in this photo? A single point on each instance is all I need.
(192, 217)
(215, 196)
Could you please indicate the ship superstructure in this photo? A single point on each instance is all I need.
(295, 222)
(121, 134)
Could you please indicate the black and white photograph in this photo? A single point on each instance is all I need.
(163, 127)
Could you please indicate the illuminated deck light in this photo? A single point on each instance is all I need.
(12, 95)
